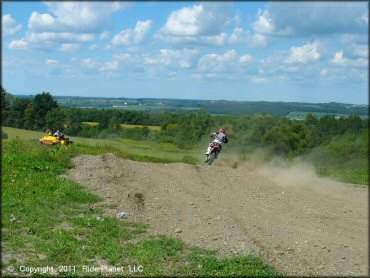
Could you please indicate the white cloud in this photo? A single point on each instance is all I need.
(228, 65)
(42, 22)
(324, 72)
(51, 62)
(298, 64)
(245, 59)
(79, 17)
(256, 40)
(218, 40)
(9, 25)
(125, 57)
(69, 47)
(304, 54)
(360, 50)
(68, 24)
(192, 21)
(238, 36)
(59, 37)
(203, 23)
(264, 24)
(175, 58)
(258, 79)
(157, 64)
(365, 17)
(93, 47)
(340, 60)
(104, 35)
(136, 36)
(354, 38)
(141, 29)
(109, 66)
(312, 18)
(217, 63)
(90, 63)
(51, 40)
(19, 44)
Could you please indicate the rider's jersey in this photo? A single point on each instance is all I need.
(220, 138)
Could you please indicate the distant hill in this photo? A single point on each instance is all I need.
(221, 107)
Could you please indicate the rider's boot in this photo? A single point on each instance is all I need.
(208, 150)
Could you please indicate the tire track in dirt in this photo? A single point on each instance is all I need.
(315, 227)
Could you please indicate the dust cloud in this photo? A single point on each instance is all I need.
(299, 174)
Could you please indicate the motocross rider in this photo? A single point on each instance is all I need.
(219, 138)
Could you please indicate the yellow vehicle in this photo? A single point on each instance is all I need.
(53, 140)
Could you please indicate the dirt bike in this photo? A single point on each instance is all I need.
(213, 154)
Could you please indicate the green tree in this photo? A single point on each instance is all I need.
(289, 138)
(42, 104)
(16, 117)
(28, 116)
(352, 123)
(56, 118)
(73, 123)
(6, 102)
(310, 120)
(104, 119)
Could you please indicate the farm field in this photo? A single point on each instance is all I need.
(302, 115)
(151, 127)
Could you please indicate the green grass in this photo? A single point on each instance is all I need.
(344, 158)
(127, 148)
(151, 127)
(356, 176)
(91, 123)
(48, 220)
(21, 133)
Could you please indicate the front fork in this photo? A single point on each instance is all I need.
(208, 150)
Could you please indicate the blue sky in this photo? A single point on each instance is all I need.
(272, 51)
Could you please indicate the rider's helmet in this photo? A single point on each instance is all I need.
(222, 130)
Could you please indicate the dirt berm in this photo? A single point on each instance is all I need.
(302, 224)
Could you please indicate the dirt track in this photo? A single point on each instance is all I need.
(301, 224)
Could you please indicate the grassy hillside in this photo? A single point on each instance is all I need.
(138, 150)
(21, 133)
(48, 220)
(344, 158)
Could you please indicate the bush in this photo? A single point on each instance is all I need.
(287, 139)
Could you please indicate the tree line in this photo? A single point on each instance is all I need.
(277, 134)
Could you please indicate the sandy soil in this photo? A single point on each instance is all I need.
(302, 224)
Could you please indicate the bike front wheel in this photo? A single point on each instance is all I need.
(211, 158)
